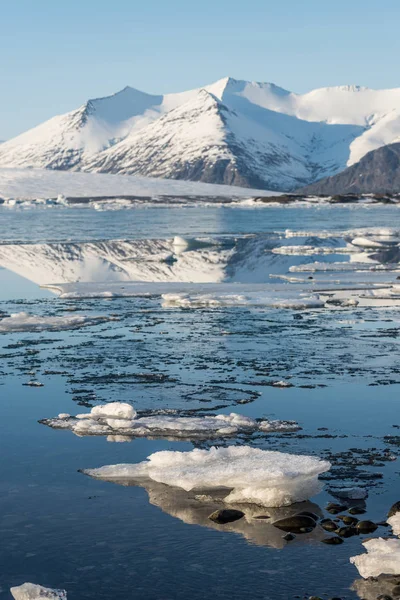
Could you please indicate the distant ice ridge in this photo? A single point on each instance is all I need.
(118, 418)
(251, 475)
(382, 558)
(32, 591)
(24, 321)
(42, 183)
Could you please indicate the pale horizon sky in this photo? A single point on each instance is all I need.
(57, 55)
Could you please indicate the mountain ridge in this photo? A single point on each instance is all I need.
(264, 136)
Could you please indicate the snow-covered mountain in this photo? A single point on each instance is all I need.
(231, 132)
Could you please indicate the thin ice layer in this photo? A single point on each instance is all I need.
(24, 321)
(251, 475)
(32, 591)
(382, 558)
(118, 418)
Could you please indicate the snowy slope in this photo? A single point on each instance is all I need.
(236, 132)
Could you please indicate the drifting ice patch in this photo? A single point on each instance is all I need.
(251, 475)
(118, 418)
(24, 321)
(255, 299)
(382, 558)
(31, 591)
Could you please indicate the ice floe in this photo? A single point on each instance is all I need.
(250, 299)
(382, 558)
(32, 591)
(117, 418)
(24, 321)
(250, 475)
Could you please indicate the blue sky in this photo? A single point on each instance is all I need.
(56, 54)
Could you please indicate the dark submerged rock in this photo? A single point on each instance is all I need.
(346, 532)
(329, 525)
(335, 509)
(332, 541)
(226, 515)
(289, 537)
(357, 510)
(297, 524)
(366, 527)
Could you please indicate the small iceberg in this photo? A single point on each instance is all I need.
(118, 418)
(382, 558)
(32, 591)
(249, 475)
(23, 321)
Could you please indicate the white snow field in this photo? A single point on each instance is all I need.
(24, 321)
(382, 558)
(32, 591)
(251, 475)
(282, 138)
(36, 183)
(118, 418)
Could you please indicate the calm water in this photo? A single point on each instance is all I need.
(101, 540)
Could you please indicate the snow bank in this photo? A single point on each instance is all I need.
(252, 475)
(24, 321)
(31, 591)
(382, 558)
(119, 418)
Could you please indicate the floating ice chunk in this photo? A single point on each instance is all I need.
(382, 558)
(114, 410)
(120, 418)
(394, 522)
(31, 591)
(251, 475)
(24, 321)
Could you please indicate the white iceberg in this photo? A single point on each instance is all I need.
(23, 321)
(382, 558)
(250, 475)
(32, 591)
(118, 418)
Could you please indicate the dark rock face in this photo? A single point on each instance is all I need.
(226, 515)
(377, 172)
